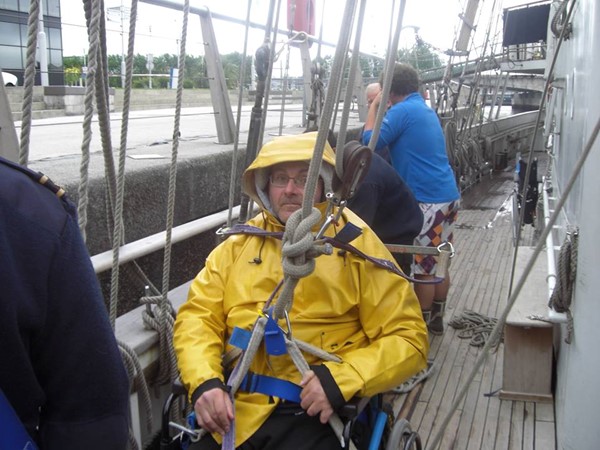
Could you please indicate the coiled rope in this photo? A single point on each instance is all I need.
(562, 295)
(476, 327)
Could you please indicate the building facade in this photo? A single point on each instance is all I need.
(14, 15)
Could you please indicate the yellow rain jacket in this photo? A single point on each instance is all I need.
(364, 314)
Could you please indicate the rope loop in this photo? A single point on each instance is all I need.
(562, 295)
(298, 250)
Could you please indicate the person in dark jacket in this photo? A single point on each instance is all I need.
(60, 367)
(386, 204)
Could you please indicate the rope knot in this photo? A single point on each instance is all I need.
(298, 245)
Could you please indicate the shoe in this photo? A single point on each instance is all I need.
(436, 323)
(426, 316)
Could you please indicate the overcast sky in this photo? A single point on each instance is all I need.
(158, 30)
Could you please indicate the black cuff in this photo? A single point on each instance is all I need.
(207, 386)
(332, 391)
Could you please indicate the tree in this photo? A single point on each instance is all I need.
(421, 56)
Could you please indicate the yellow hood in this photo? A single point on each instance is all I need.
(284, 149)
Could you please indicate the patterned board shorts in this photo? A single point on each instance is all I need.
(438, 227)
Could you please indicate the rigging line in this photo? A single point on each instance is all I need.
(328, 106)
(284, 83)
(321, 32)
(308, 213)
(102, 102)
(168, 371)
(102, 96)
(174, 152)
(29, 81)
(475, 88)
(387, 78)
(483, 52)
(236, 138)
(541, 240)
(538, 248)
(349, 81)
(263, 122)
(93, 37)
(549, 79)
(263, 65)
(341, 139)
(120, 193)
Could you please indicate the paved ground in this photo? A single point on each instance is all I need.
(150, 131)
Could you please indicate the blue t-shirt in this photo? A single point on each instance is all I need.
(413, 133)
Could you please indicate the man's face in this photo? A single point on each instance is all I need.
(286, 197)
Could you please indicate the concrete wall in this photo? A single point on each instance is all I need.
(203, 180)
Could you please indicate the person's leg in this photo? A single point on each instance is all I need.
(205, 443)
(425, 292)
(438, 307)
(290, 427)
(438, 219)
(423, 265)
(287, 427)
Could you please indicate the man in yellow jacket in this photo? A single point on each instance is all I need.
(366, 315)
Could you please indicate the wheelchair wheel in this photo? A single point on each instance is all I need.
(402, 437)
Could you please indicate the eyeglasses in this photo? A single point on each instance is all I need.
(282, 180)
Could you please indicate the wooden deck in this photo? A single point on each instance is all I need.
(480, 274)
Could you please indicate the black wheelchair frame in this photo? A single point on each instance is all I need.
(368, 423)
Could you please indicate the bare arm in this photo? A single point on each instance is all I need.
(372, 114)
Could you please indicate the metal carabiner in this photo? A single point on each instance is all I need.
(221, 231)
(442, 248)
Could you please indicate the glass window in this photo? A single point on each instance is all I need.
(54, 40)
(55, 60)
(9, 34)
(24, 6)
(11, 57)
(11, 5)
(23, 29)
(52, 7)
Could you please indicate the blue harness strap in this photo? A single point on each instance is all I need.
(274, 387)
(12, 431)
(263, 384)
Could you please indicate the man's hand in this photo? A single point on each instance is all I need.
(376, 101)
(314, 401)
(214, 411)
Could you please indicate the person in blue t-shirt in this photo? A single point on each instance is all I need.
(414, 135)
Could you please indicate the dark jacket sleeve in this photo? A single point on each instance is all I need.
(79, 364)
(365, 202)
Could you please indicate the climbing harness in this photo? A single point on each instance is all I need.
(342, 242)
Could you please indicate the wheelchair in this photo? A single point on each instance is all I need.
(368, 422)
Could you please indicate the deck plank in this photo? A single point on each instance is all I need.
(544, 435)
(480, 277)
(516, 426)
(529, 426)
(501, 442)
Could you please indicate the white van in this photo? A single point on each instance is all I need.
(10, 79)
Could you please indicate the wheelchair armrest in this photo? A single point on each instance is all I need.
(177, 388)
(353, 408)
